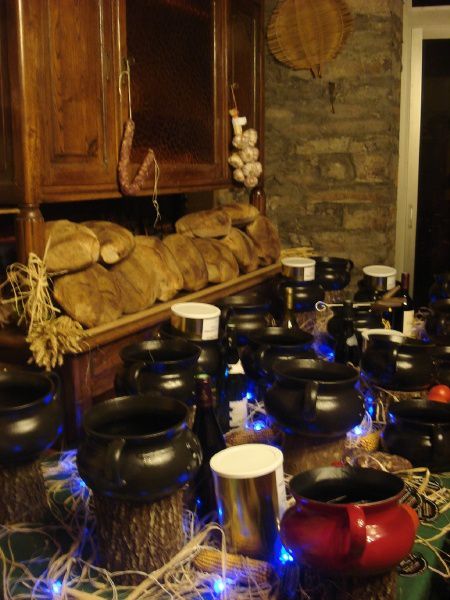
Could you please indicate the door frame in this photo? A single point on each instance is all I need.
(418, 24)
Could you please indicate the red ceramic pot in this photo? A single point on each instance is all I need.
(349, 521)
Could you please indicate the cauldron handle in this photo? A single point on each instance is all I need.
(357, 526)
(349, 265)
(112, 462)
(132, 374)
(310, 400)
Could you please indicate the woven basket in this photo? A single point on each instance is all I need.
(304, 34)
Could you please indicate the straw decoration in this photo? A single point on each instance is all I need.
(304, 34)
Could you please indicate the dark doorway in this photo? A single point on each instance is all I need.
(433, 209)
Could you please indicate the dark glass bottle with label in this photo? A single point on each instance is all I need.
(403, 319)
(346, 347)
(207, 429)
(289, 320)
(233, 397)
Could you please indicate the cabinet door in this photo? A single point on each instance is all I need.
(80, 123)
(177, 53)
(246, 63)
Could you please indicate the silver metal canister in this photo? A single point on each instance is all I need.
(380, 277)
(251, 497)
(298, 268)
(198, 320)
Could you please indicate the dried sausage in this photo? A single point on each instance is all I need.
(127, 187)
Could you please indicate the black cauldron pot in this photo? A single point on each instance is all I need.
(419, 430)
(438, 322)
(30, 415)
(246, 313)
(273, 344)
(162, 366)
(396, 362)
(303, 295)
(138, 448)
(333, 273)
(314, 397)
(210, 360)
(440, 288)
(363, 318)
(441, 360)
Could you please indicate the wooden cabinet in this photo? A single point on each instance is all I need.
(63, 104)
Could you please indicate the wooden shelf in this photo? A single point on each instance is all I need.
(128, 324)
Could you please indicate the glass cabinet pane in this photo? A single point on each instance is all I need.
(172, 79)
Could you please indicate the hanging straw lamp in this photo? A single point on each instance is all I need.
(304, 34)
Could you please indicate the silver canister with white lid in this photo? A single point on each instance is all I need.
(196, 319)
(298, 268)
(380, 278)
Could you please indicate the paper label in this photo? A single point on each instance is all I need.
(390, 282)
(236, 368)
(238, 412)
(281, 491)
(210, 330)
(408, 321)
(309, 273)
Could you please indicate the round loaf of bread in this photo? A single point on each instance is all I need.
(220, 261)
(265, 237)
(91, 296)
(116, 242)
(243, 250)
(70, 246)
(189, 261)
(205, 224)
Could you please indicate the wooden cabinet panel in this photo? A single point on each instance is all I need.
(80, 121)
(6, 165)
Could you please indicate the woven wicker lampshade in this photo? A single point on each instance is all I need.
(304, 34)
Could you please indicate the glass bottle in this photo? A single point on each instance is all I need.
(207, 429)
(404, 315)
(346, 348)
(235, 386)
(289, 320)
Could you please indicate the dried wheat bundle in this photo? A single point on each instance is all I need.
(50, 340)
(304, 34)
(30, 294)
(50, 337)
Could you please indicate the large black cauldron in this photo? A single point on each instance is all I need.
(30, 415)
(315, 397)
(138, 448)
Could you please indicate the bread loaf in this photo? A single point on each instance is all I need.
(116, 242)
(220, 261)
(91, 296)
(71, 246)
(243, 250)
(156, 243)
(240, 213)
(265, 237)
(169, 283)
(137, 280)
(205, 224)
(189, 261)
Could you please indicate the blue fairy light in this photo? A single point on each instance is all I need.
(259, 425)
(219, 586)
(56, 588)
(285, 556)
(357, 431)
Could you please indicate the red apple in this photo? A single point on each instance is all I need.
(439, 393)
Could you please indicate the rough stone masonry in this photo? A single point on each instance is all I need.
(331, 179)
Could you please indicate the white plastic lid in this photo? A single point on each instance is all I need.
(195, 310)
(298, 261)
(246, 461)
(366, 333)
(379, 271)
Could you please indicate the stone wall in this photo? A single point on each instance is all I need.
(331, 178)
